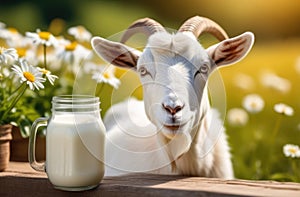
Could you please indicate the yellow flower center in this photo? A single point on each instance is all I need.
(44, 35)
(71, 47)
(81, 29)
(253, 105)
(12, 30)
(292, 150)
(29, 76)
(44, 71)
(106, 75)
(21, 52)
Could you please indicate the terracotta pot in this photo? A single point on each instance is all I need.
(5, 138)
(19, 147)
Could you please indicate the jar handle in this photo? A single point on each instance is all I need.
(31, 148)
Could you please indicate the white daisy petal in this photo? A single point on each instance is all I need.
(30, 85)
(42, 37)
(106, 75)
(291, 150)
(51, 78)
(237, 117)
(273, 81)
(8, 55)
(284, 109)
(29, 74)
(80, 33)
(253, 103)
(72, 53)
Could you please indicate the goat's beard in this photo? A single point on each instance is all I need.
(177, 137)
(176, 145)
(177, 141)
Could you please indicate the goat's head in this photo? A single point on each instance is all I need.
(174, 68)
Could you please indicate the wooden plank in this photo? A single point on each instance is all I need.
(20, 179)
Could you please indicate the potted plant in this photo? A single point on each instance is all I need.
(5, 137)
(36, 66)
(19, 80)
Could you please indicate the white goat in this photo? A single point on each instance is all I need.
(174, 130)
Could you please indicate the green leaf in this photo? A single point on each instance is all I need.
(283, 177)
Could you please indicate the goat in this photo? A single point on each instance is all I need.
(174, 130)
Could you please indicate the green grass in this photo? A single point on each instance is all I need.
(257, 153)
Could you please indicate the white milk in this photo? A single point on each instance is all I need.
(75, 150)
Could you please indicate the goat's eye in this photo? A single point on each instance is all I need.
(197, 72)
(143, 71)
(204, 69)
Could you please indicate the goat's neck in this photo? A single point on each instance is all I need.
(184, 151)
(192, 161)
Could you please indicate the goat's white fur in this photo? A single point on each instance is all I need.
(132, 135)
(138, 138)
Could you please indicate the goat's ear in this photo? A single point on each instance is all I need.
(231, 50)
(115, 53)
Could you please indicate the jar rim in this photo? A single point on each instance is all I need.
(75, 97)
(75, 103)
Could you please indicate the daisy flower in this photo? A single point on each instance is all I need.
(291, 150)
(90, 66)
(72, 53)
(51, 78)
(42, 37)
(29, 74)
(7, 54)
(273, 81)
(284, 109)
(237, 117)
(13, 37)
(10, 33)
(106, 75)
(21, 52)
(253, 103)
(80, 33)
(243, 81)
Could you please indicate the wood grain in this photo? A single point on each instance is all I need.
(20, 179)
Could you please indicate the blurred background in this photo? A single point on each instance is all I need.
(278, 19)
(276, 53)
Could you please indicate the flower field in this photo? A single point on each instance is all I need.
(264, 130)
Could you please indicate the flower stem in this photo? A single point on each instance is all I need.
(98, 92)
(14, 102)
(276, 128)
(294, 169)
(16, 90)
(45, 56)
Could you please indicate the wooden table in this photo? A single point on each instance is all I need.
(20, 180)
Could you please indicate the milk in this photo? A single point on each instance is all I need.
(75, 150)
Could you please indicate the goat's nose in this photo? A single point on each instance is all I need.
(172, 109)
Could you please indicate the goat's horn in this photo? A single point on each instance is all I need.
(198, 25)
(146, 25)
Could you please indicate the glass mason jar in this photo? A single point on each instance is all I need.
(75, 142)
